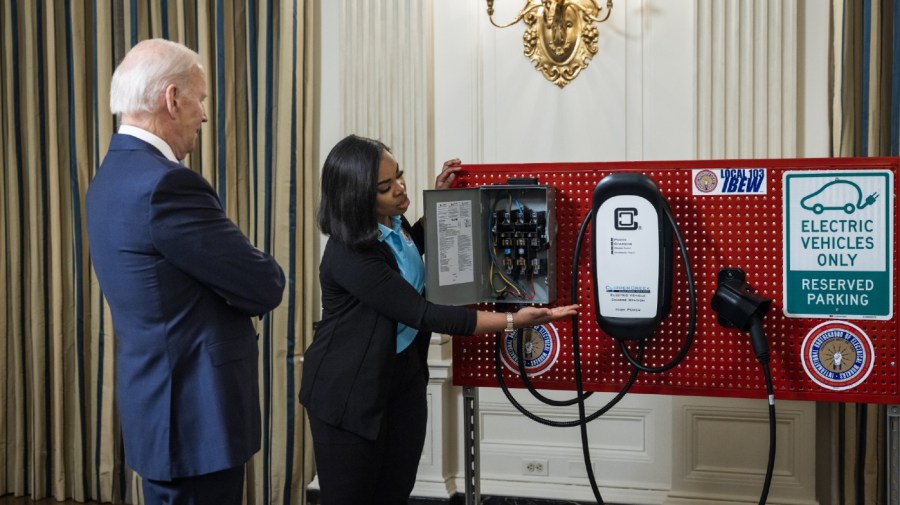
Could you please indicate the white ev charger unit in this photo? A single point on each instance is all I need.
(632, 244)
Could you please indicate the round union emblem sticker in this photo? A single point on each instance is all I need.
(837, 355)
(706, 181)
(541, 349)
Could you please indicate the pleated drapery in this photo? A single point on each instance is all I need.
(866, 76)
(865, 122)
(58, 429)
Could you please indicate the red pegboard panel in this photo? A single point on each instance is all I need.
(744, 231)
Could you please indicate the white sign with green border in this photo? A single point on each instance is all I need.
(838, 248)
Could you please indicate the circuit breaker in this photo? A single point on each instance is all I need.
(491, 244)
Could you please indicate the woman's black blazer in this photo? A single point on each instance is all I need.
(348, 367)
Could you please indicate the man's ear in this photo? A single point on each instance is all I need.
(171, 100)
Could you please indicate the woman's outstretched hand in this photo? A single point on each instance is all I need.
(448, 174)
(533, 316)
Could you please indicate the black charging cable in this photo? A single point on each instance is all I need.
(636, 362)
(581, 395)
(692, 300)
(576, 358)
(740, 307)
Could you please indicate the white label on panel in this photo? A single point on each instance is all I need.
(455, 242)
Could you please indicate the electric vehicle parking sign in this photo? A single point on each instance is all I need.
(838, 257)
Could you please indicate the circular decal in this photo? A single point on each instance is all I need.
(837, 355)
(541, 349)
(706, 181)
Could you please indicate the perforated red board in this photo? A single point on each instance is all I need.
(744, 231)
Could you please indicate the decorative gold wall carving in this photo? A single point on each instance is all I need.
(561, 35)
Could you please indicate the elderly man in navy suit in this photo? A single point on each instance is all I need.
(183, 284)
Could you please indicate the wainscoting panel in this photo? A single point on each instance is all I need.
(721, 448)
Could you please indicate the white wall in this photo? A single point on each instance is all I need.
(493, 106)
(673, 79)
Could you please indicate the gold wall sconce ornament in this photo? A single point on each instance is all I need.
(561, 36)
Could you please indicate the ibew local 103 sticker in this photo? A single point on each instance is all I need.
(729, 181)
(837, 355)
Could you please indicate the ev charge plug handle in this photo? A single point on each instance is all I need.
(632, 242)
(738, 306)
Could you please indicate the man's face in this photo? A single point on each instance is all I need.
(190, 114)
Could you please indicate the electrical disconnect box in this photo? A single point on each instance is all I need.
(491, 244)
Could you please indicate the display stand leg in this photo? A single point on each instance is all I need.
(473, 464)
(893, 454)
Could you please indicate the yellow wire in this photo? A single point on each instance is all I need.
(505, 279)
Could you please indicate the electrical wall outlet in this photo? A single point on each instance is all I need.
(535, 467)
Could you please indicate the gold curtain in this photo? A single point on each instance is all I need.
(865, 116)
(58, 427)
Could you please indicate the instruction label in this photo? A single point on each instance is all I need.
(455, 245)
(838, 259)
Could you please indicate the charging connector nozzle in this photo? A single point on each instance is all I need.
(738, 306)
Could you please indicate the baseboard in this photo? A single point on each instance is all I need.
(312, 498)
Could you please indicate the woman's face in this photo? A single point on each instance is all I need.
(390, 192)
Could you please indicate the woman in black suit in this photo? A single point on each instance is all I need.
(365, 374)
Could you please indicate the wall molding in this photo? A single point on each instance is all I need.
(721, 459)
(628, 447)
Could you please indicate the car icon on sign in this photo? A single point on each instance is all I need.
(838, 194)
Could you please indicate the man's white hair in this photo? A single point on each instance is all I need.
(146, 71)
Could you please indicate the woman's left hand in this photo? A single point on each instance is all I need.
(533, 316)
(448, 174)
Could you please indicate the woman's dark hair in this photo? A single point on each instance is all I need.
(349, 183)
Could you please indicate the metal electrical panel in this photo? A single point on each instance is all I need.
(492, 244)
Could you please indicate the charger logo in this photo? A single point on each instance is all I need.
(624, 218)
(837, 355)
(541, 349)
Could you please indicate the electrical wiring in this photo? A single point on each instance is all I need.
(497, 268)
(512, 289)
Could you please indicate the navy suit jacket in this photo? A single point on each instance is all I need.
(183, 284)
